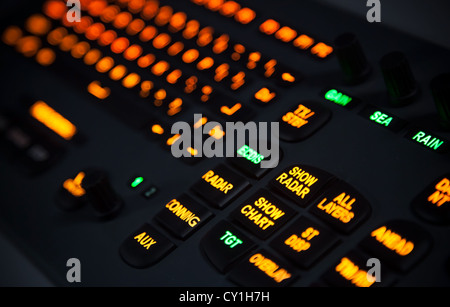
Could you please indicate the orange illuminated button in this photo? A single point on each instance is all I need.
(263, 269)
(182, 216)
(303, 120)
(304, 242)
(220, 185)
(351, 271)
(262, 214)
(301, 183)
(400, 243)
(342, 207)
(433, 203)
(145, 247)
(71, 195)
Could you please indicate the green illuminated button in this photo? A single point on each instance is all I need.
(135, 182)
(428, 140)
(248, 160)
(224, 244)
(339, 98)
(382, 118)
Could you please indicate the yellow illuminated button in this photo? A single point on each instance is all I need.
(182, 216)
(219, 186)
(53, 120)
(145, 247)
(342, 207)
(262, 214)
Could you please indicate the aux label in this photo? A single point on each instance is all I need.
(374, 14)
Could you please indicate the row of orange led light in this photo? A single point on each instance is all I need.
(121, 45)
(149, 34)
(81, 49)
(230, 9)
(289, 35)
(176, 22)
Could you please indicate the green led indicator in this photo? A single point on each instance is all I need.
(427, 140)
(137, 182)
(230, 240)
(338, 97)
(381, 118)
(250, 154)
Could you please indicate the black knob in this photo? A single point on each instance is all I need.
(101, 195)
(351, 58)
(400, 82)
(440, 89)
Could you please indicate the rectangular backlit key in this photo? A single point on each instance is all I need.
(53, 120)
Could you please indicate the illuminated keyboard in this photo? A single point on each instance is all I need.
(88, 171)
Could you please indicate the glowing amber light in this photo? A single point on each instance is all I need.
(217, 132)
(351, 272)
(221, 44)
(161, 41)
(80, 49)
(53, 120)
(269, 27)
(173, 139)
(135, 27)
(191, 30)
(133, 52)
(265, 95)
(104, 65)
(164, 16)
(28, 45)
(135, 6)
(94, 31)
(45, 56)
(150, 9)
(201, 122)
(321, 50)
(109, 13)
(270, 68)
(38, 24)
(214, 5)
(95, 89)
(55, 37)
(175, 49)
(11, 35)
(190, 56)
(238, 80)
(160, 68)
(131, 80)
(92, 57)
(191, 84)
(122, 20)
(393, 241)
(222, 72)
(205, 63)
(68, 42)
(95, 8)
(192, 151)
(55, 9)
(120, 44)
(146, 87)
(148, 34)
(230, 111)
(205, 36)
(245, 16)
(286, 34)
(83, 25)
(177, 22)
(253, 59)
(146, 60)
(303, 42)
(157, 129)
(73, 186)
(118, 72)
(107, 38)
(174, 76)
(229, 8)
(159, 96)
(175, 107)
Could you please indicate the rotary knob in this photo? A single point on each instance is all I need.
(105, 202)
(351, 58)
(398, 76)
(440, 89)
